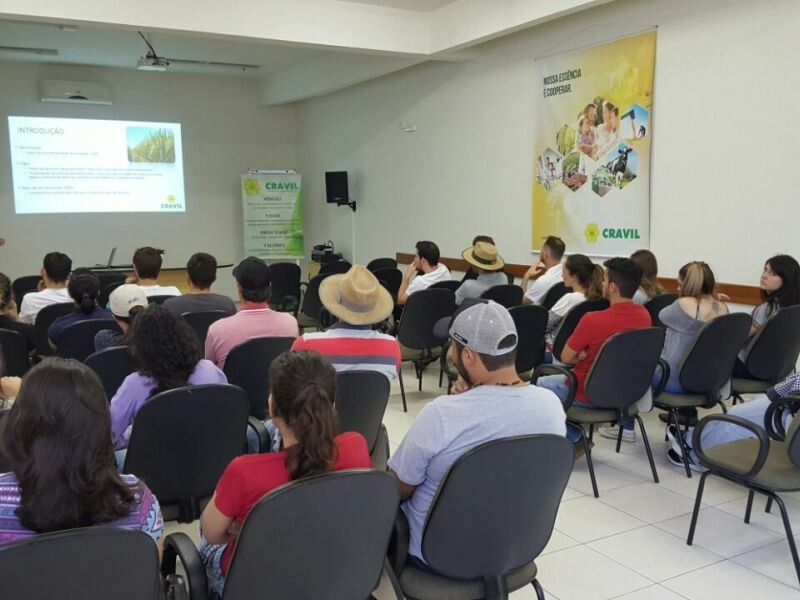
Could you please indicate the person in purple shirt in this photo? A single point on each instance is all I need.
(167, 355)
(84, 289)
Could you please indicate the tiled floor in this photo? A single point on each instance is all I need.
(631, 542)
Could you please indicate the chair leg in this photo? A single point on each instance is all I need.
(769, 505)
(589, 463)
(591, 432)
(788, 527)
(419, 374)
(441, 375)
(402, 390)
(749, 508)
(681, 441)
(538, 588)
(619, 435)
(647, 448)
(696, 510)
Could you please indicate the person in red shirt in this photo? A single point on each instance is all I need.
(621, 279)
(303, 388)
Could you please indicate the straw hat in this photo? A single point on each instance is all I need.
(483, 256)
(356, 297)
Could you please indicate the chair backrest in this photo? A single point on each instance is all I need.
(336, 267)
(554, 294)
(183, 439)
(312, 305)
(77, 340)
(422, 311)
(361, 400)
(284, 283)
(92, 563)
(571, 320)
(359, 512)
(381, 263)
(507, 295)
(45, 318)
(112, 365)
(158, 300)
(248, 365)
(202, 320)
(22, 285)
(774, 351)
(106, 291)
(495, 509)
(391, 279)
(708, 362)
(451, 285)
(657, 304)
(531, 323)
(623, 368)
(109, 281)
(15, 353)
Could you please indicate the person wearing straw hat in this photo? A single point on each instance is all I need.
(483, 257)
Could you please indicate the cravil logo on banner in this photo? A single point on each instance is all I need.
(592, 160)
(272, 206)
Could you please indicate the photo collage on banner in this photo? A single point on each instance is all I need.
(591, 183)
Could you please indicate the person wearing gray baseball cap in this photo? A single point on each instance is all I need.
(488, 402)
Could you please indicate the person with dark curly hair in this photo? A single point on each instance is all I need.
(84, 289)
(167, 356)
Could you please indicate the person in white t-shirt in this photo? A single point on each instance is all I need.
(545, 273)
(423, 272)
(56, 268)
(146, 268)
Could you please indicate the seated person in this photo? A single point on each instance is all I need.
(649, 288)
(146, 269)
(9, 319)
(423, 272)
(621, 279)
(585, 279)
(9, 386)
(125, 303)
(84, 289)
(202, 273)
(254, 319)
(167, 356)
(546, 273)
(303, 388)
(52, 288)
(488, 264)
(56, 483)
(490, 402)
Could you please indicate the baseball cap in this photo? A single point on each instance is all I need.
(252, 273)
(482, 327)
(125, 297)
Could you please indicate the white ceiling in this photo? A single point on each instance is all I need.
(417, 5)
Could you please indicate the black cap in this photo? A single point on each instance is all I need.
(252, 273)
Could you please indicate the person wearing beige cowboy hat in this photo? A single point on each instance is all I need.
(483, 257)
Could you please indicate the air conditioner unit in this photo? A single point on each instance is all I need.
(76, 92)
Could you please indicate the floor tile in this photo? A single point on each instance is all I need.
(654, 592)
(648, 502)
(607, 477)
(728, 581)
(717, 490)
(586, 519)
(570, 494)
(559, 541)
(771, 520)
(190, 529)
(774, 561)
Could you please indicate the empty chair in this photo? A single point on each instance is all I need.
(248, 365)
(23, 285)
(159, 299)
(492, 516)
(336, 267)
(554, 294)
(571, 320)
(106, 292)
(15, 353)
(311, 308)
(112, 365)
(77, 340)
(361, 399)
(201, 321)
(181, 442)
(377, 264)
(44, 319)
(531, 324)
(445, 285)
(359, 511)
(507, 295)
(391, 280)
(94, 563)
(284, 286)
(658, 303)
(109, 281)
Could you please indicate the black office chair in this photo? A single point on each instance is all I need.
(772, 353)
(377, 264)
(181, 442)
(418, 343)
(15, 353)
(201, 321)
(112, 365)
(358, 514)
(531, 324)
(44, 319)
(248, 365)
(93, 563)
(109, 281)
(452, 285)
(336, 267)
(657, 304)
(107, 290)
(619, 377)
(23, 285)
(158, 300)
(554, 294)
(391, 280)
(705, 369)
(507, 295)
(492, 516)
(284, 286)
(361, 399)
(311, 308)
(571, 320)
(77, 340)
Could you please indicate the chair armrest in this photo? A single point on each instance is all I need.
(663, 366)
(773, 417)
(261, 431)
(759, 432)
(398, 544)
(558, 370)
(179, 545)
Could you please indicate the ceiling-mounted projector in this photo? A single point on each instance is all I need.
(152, 63)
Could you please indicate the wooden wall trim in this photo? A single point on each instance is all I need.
(738, 293)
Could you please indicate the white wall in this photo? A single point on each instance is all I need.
(224, 131)
(724, 167)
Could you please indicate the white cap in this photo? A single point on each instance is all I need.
(482, 327)
(125, 297)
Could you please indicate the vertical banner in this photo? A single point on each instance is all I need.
(272, 207)
(592, 158)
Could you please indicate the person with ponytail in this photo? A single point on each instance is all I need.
(649, 288)
(586, 280)
(84, 289)
(302, 392)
